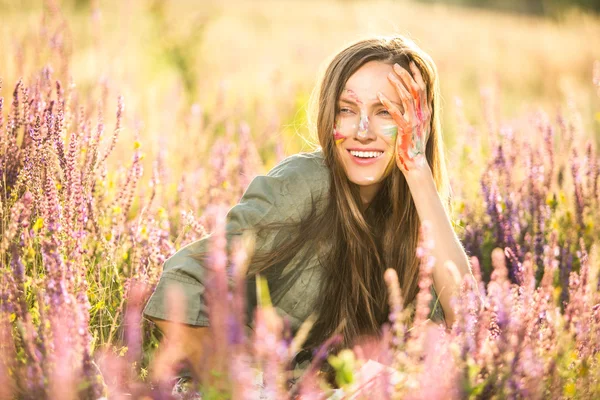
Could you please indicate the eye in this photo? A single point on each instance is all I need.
(345, 110)
(384, 112)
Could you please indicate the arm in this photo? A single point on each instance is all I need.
(447, 246)
(267, 199)
(181, 342)
(414, 123)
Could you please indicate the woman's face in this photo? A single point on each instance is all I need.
(364, 132)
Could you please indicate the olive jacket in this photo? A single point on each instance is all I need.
(283, 194)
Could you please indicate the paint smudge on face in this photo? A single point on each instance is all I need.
(353, 94)
(390, 131)
(337, 136)
(363, 125)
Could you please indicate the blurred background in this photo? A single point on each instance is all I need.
(216, 92)
(552, 8)
(192, 71)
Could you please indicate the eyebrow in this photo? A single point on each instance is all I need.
(348, 101)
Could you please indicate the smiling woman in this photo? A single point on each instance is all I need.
(330, 223)
(365, 131)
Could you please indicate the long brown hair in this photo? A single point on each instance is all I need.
(361, 245)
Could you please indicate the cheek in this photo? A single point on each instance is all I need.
(390, 165)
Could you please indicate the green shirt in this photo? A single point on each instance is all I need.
(283, 194)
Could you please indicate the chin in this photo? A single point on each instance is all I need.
(365, 181)
(365, 176)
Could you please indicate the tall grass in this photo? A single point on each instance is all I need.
(114, 154)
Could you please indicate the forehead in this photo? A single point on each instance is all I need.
(370, 79)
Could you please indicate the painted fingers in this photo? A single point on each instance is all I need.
(414, 121)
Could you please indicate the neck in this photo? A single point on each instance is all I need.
(367, 193)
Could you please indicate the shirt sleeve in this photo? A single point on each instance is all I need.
(281, 195)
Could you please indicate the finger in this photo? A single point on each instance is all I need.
(418, 77)
(425, 107)
(420, 99)
(423, 90)
(407, 100)
(416, 94)
(415, 91)
(408, 80)
(426, 113)
(394, 112)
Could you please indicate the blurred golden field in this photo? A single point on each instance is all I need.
(190, 71)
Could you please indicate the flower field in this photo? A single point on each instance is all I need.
(128, 129)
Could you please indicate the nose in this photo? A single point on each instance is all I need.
(364, 129)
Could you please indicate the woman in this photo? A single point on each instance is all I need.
(330, 222)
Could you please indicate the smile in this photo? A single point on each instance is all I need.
(365, 157)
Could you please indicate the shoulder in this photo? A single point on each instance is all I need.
(294, 183)
(303, 174)
(306, 166)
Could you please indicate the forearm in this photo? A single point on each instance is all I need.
(447, 246)
(180, 342)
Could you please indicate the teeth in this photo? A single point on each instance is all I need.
(366, 154)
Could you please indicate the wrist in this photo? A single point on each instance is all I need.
(419, 172)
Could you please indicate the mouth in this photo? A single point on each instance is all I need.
(365, 157)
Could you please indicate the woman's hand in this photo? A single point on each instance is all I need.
(414, 124)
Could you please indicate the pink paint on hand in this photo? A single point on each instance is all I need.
(418, 110)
